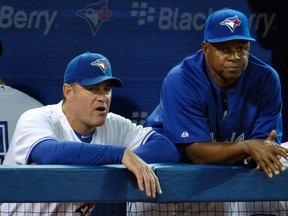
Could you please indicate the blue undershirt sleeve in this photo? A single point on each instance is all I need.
(76, 153)
(158, 149)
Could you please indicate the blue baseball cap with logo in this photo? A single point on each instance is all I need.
(226, 25)
(89, 69)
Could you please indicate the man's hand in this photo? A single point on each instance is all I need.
(267, 154)
(146, 178)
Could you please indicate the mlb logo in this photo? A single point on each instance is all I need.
(3, 140)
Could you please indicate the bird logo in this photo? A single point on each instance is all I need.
(102, 64)
(231, 23)
(95, 14)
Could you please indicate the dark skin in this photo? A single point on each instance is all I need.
(226, 61)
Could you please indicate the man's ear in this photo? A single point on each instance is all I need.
(204, 46)
(67, 91)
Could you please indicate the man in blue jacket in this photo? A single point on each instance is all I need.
(222, 105)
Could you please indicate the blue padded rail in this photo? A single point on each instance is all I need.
(182, 183)
(114, 183)
(47, 183)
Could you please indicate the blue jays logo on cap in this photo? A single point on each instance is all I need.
(102, 64)
(231, 23)
(226, 25)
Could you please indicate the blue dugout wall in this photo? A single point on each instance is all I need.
(114, 183)
(142, 39)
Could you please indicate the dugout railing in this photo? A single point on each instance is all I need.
(115, 184)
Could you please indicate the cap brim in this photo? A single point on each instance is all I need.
(92, 81)
(230, 38)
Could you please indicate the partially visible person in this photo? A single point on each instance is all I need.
(222, 105)
(13, 103)
(81, 130)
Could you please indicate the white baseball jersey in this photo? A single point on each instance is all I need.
(13, 104)
(49, 122)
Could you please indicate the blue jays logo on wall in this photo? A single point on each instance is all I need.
(231, 22)
(95, 14)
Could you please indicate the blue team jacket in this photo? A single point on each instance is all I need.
(191, 108)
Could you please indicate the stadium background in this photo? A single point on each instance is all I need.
(142, 39)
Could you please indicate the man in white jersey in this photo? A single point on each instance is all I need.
(81, 130)
(13, 104)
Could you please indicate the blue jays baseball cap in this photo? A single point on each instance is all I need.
(89, 69)
(226, 25)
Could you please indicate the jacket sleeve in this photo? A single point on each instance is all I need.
(158, 149)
